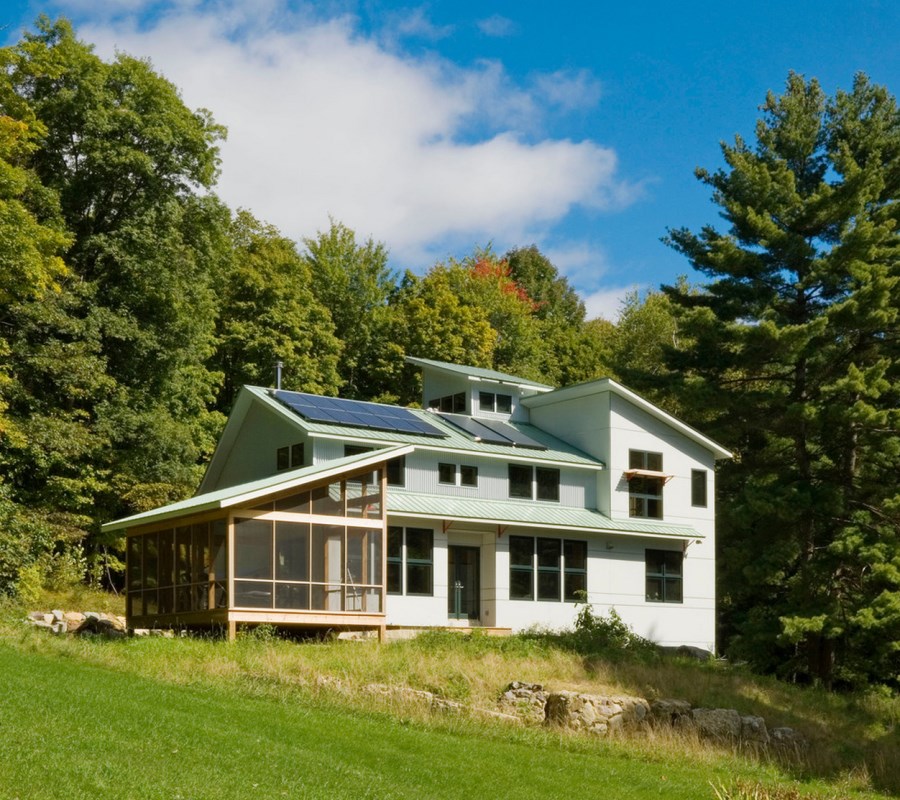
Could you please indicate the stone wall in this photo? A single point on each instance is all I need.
(604, 715)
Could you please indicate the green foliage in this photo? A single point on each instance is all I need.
(354, 284)
(608, 636)
(268, 312)
(793, 364)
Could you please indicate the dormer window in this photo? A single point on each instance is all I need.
(450, 403)
(499, 403)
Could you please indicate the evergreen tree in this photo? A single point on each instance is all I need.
(794, 365)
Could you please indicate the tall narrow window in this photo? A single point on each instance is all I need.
(396, 471)
(521, 568)
(419, 561)
(645, 491)
(395, 560)
(548, 563)
(698, 487)
(575, 558)
(468, 475)
(664, 576)
(547, 483)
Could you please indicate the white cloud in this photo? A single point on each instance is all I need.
(497, 26)
(323, 120)
(569, 90)
(607, 303)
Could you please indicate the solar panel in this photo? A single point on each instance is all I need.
(475, 429)
(514, 434)
(355, 413)
(492, 431)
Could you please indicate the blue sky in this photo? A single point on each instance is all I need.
(444, 126)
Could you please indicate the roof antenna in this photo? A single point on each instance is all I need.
(278, 366)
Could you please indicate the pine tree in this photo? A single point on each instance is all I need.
(794, 365)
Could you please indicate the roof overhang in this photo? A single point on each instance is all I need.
(243, 494)
(609, 385)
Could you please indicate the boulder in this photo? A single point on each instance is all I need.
(668, 711)
(753, 730)
(788, 739)
(719, 724)
(595, 714)
(74, 620)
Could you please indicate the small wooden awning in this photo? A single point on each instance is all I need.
(647, 473)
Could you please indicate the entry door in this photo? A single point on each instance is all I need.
(462, 582)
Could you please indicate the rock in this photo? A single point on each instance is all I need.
(595, 713)
(753, 730)
(788, 739)
(74, 620)
(39, 623)
(720, 724)
(525, 700)
(59, 627)
(669, 711)
(57, 615)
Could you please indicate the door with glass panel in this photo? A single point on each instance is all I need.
(463, 582)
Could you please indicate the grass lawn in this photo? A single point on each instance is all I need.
(84, 720)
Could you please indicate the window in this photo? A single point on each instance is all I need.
(289, 457)
(521, 568)
(543, 567)
(520, 481)
(547, 483)
(450, 404)
(645, 491)
(698, 487)
(468, 475)
(447, 473)
(575, 559)
(501, 403)
(356, 450)
(415, 548)
(396, 471)
(664, 576)
(523, 481)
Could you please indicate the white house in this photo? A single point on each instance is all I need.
(502, 503)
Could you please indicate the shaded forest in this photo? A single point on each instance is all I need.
(134, 304)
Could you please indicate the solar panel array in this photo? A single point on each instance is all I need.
(356, 413)
(492, 431)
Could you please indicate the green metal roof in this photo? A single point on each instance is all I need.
(557, 450)
(254, 490)
(529, 514)
(476, 372)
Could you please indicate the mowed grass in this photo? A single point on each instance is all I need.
(153, 718)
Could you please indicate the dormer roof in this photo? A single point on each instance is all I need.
(479, 374)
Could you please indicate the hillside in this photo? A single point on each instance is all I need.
(202, 718)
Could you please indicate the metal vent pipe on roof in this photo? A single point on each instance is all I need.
(278, 367)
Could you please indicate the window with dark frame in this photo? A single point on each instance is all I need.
(520, 480)
(645, 491)
(526, 482)
(664, 576)
(396, 471)
(289, 457)
(698, 488)
(499, 403)
(447, 474)
(412, 548)
(450, 404)
(468, 475)
(544, 567)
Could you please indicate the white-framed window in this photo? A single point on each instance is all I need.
(664, 576)
(458, 474)
(290, 457)
(495, 403)
(698, 488)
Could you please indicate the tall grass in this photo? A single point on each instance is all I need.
(855, 739)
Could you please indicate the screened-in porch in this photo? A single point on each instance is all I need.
(311, 555)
